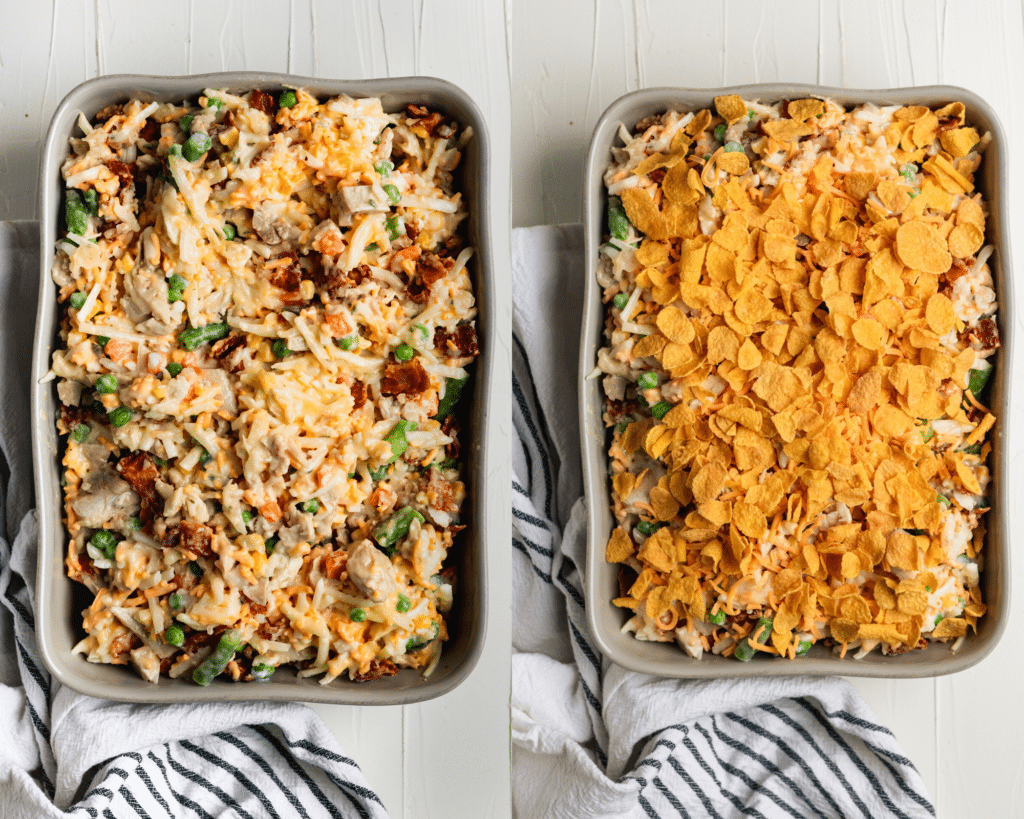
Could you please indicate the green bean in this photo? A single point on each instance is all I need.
(280, 348)
(397, 440)
(103, 341)
(269, 544)
(762, 631)
(80, 433)
(403, 352)
(618, 222)
(944, 501)
(388, 533)
(105, 542)
(195, 568)
(373, 247)
(311, 507)
(733, 147)
(423, 330)
(174, 368)
(75, 213)
(196, 336)
(977, 379)
(287, 99)
(452, 392)
(720, 132)
(174, 636)
(213, 102)
(185, 123)
(261, 672)
(395, 226)
(648, 528)
(379, 474)
(230, 642)
(348, 342)
(803, 647)
(120, 416)
(384, 168)
(196, 145)
(449, 463)
(744, 653)
(394, 195)
(927, 433)
(77, 300)
(91, 198)
(717, 619)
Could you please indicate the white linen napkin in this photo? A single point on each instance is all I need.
(591, 739)
(63, 751)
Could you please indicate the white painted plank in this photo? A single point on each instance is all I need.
(127, 44)
(253, 35)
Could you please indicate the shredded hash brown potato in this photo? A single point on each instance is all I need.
(800, 326)
(267, 319)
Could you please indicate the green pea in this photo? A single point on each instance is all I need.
(620, 301)
(174, 368)
(403, 604)
(103, 341)
(357, 615)
(287, 99)
(449, 463)
(647, 527)
(247, 517)
(261, 672)
(938, 619)
(720, 132)
(718, 618)
(280, 348)
(174, 636)
(394, 195)
(185, 123)
(77, 300)
(311, 507)
(195, 568)
(177, 281)
(403, 352)
(230, 231)
(134, 523)
(750, 113)
(80, 433)
(196, 145)
(733, 147)
(176, 602)
(174, 295)
(384, 168)
(395, 226)
(120, 416)
(213, 102)
(661, 409)
(647, 381)
(348, 342)
(105, 542)
(269, 544)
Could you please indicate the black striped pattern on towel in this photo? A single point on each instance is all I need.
(784, 759)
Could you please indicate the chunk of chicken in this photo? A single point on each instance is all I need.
(371, 571)
(105, 499)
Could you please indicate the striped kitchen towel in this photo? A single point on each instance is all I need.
(67, 754)
(591, 739)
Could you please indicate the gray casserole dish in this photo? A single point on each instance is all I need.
(666, 659)
(58, 599)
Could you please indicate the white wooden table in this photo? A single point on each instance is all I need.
(542, 72)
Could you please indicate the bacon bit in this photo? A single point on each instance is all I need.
(123, 644)
(270, 511)
(450, 427)
(106, 113)
(335, 563)
(194, 538)
(262, 101)
(337, 323)
(458, 344)
(405, 259)
(333, 283)
(377, 670)
(439, 492)
(288, 279)
(140, 470)
(409, 378)
(358, 390)
(122, 171)
(71, 417)
(432, 267)
(149, 131)
(223, 348)
(256, 608)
